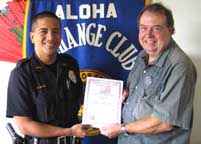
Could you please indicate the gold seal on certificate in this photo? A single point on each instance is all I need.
(102, 102)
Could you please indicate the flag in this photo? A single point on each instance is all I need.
(11, 29)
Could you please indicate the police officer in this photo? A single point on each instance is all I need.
(44, 91)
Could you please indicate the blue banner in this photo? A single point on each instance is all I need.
(101, 34)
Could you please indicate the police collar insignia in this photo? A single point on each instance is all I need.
(72, 76)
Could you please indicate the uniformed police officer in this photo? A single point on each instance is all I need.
(44, 91)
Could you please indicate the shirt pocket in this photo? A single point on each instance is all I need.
(145, 105)
(44, 107)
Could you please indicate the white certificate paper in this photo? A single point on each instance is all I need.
(102, 102)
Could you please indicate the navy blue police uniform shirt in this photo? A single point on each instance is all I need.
(49, 94)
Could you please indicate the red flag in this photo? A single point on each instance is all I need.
(11, 30)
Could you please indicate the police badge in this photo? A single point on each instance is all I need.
(72, 76)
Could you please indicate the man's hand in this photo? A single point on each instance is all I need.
(125, 94)
(111, 131)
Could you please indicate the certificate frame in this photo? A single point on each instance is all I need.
(102, 102)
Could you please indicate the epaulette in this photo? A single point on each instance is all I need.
(22, 61)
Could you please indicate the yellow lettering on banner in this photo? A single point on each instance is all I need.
(60, 12)
(81, 33)
(69, 15)
(70, 38)
(93, 38)
(90, 34)
(127, 57)
(111, 12)
(87, 11)
(97, 10)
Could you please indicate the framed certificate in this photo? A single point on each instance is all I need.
(102, 102)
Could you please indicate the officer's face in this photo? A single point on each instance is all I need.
(46, 36)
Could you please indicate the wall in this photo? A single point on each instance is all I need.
(188, 35)
(4, 75)
(188, 32)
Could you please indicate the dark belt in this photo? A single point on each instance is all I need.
(55, 140)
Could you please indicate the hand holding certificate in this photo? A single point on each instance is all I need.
(102, 102)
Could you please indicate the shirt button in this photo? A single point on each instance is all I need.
(135, 87)
(127, 103)
(142, 93)
(144, 71)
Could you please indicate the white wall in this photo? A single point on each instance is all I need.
(188, 36)
(4, 75)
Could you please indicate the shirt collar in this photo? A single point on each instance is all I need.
(161, 58)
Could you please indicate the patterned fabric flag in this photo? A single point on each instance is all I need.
(11, 29)
(101, 34)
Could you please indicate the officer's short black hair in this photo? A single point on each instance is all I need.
(160, 9)
(43, 15)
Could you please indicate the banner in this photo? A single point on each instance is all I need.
(101, 34)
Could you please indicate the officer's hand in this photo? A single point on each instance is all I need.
(80, 130)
